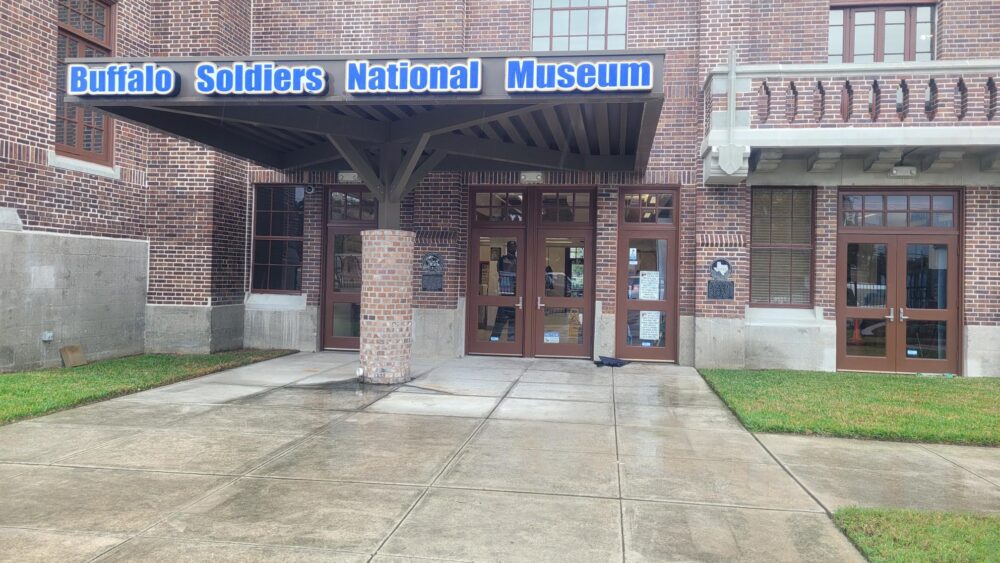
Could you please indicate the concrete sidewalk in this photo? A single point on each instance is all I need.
(479, 459)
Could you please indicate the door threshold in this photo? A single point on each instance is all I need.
(339, 350)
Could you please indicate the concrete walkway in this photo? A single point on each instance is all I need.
(479, 459)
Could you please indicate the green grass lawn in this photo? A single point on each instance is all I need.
(855, 405)
(907, 535)
(34, 393)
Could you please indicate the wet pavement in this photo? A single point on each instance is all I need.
(478, 459)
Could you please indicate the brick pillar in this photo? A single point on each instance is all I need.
(386, 305)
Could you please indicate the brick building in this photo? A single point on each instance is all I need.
(810, 185)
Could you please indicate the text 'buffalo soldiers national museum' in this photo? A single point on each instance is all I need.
(809, 184)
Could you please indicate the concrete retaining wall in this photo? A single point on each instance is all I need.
(439, 333)
(281, 321)
(982, 351)
(86, 290)
(192, 329)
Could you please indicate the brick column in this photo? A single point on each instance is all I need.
(386, 305)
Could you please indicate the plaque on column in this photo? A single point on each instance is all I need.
(432, 274)
(720, 286)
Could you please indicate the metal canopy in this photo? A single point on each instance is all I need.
(392, 141)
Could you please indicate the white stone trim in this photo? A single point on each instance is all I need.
(276, 302)
(77, 165)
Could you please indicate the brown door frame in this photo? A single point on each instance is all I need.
(954, 237)
(669, 306)
(865, 363)
(328, 297)
(473, 300)
(530, 288)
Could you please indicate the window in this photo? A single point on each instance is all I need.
(566, 207)
(278, 235)
(352, 206)
(578, 25)
(499, 207)
(897, 210)
(781, 246)
(649, 207)
(84, 31)
(881, 34)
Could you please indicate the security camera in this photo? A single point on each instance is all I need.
(310, 189)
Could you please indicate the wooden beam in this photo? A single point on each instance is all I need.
(359, 163)
(402, 176)
(446, 119)
(579, 128)
(200, 131)
(603, 128)
(525, 155)
(552, 120)
(310, 156)
(537, 138)
(427, 166)
(320, 122)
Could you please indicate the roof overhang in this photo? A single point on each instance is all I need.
(490, 122)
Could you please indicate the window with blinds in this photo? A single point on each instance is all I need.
(781, 247)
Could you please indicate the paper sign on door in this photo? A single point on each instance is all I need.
(649, 285)
(649, 325)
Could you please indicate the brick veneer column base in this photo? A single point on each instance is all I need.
(386, 305)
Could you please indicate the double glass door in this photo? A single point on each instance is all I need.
(530, 280)
(898, 303)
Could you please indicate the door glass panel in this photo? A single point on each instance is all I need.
(565, 266)
(866, 275)
(647, 270)
(498, 266)
(347, 263)
(926, 340)
(866, 337)
(927, 276)
(496, 324)
(562, 325)
(346, 320)
(647, 329)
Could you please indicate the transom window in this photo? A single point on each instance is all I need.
(578, 25)
(352, 206)
(781, 246)
(881, 34)
(84, 30)
(279, 221)
(566, 207)
(898, 210)
(500, 207)
(649, 207)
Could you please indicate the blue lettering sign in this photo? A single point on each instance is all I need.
(406, 77)
(120, 79)
(260, 78)
(530, 75)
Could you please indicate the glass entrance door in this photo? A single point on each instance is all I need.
(530, 284)
(563, 304)
(349, 210)
(496, 298)
(342, 322)
(897, 309)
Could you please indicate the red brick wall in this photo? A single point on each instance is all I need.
(982, 253)
(968, 29)
(47, 198)
(437, 211)
(386, 305)
(498, 25)
(196, 218)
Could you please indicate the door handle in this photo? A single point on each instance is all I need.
(892, 314)
(902, 315)
(540, 304)
(520, 302)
